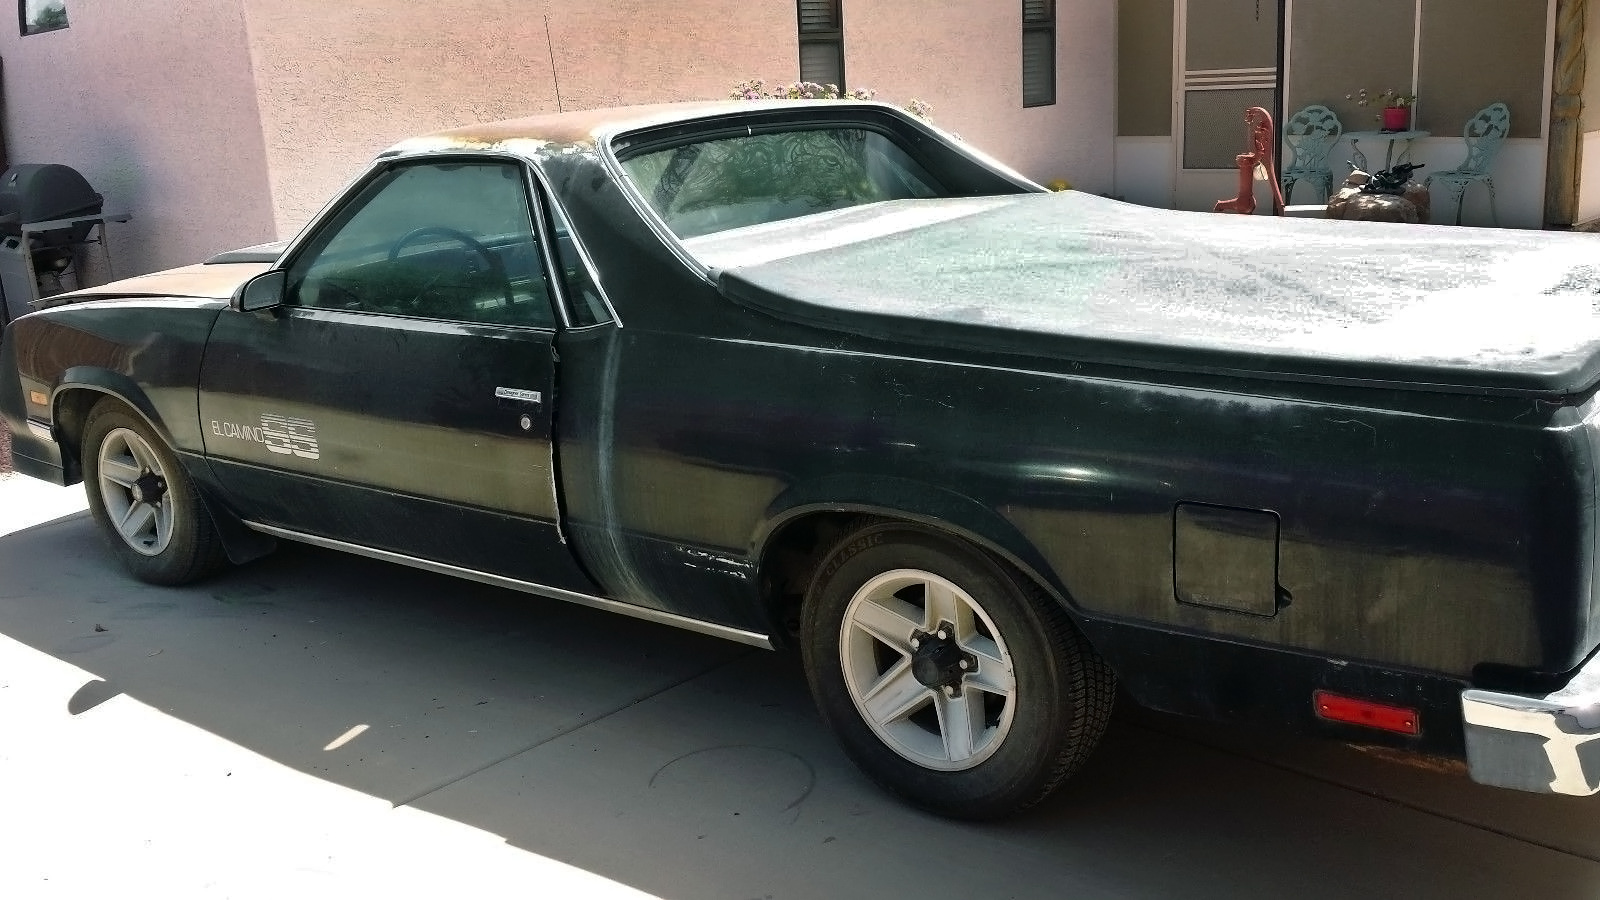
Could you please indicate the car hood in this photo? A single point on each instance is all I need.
(211, 281)
(1086, 279)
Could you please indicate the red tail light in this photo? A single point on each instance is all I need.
(1338, 708)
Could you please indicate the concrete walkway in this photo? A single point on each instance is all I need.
(315, 725)
(25, 502)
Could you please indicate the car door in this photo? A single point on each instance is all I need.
(400, 398)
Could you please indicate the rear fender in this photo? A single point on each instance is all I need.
(913, 501)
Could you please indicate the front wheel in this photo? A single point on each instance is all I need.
(146, 505)
(948, 678)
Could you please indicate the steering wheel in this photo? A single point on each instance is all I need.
(466, 240)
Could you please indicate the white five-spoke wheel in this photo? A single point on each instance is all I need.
(133, 487)
(947, 676)
(927, 670)
(145, 503)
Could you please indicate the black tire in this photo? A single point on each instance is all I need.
(180, 545)
(1019, 746)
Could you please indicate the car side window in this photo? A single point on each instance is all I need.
(585, 304)
(438, 240)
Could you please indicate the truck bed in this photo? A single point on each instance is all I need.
(1087, 279)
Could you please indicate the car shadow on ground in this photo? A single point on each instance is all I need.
(690, 767)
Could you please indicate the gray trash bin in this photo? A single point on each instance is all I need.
(17, 285)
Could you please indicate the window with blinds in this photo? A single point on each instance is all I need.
(1038, 52)
(821, 41)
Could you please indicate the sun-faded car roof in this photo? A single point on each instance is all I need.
(587, 127)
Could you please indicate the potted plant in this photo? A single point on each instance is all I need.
(1395, 106)
(757, 89)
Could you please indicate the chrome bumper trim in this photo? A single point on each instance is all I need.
(617, 606)
(1544, 744)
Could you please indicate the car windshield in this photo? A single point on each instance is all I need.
(717, 185)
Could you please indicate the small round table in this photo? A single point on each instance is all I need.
(1360, 159)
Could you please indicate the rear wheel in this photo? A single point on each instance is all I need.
(146, 505)
(948, 677)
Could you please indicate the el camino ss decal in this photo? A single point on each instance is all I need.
(280, 434)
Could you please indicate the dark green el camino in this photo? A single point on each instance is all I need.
(819, 375)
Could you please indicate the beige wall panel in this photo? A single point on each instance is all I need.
(967, 61)
(1589, 181)
(1477, 52)
(1144, 67)
(1591, 80)
(1334, 51)
(157, 110)
(1589, 145)
(340, 81)
(1232, 34)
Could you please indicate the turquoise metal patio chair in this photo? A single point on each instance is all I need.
(1484, 134)
(1310, 135)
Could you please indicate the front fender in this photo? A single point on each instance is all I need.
(145, 352)
(113, 384)
(33, 451)
(79, 389)
(72, 407)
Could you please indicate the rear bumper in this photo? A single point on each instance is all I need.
(1547, 744)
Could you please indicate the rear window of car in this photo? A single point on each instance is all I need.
(733, 182)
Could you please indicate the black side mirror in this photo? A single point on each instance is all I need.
(264, 291)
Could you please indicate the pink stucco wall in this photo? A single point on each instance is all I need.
(155, 105)
(340, 81)
(964, 57)
(220, 123)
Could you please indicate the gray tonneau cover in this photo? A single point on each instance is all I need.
(1073, 276)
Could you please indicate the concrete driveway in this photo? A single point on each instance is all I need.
(318, 725)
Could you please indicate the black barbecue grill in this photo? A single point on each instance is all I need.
(44, 192)
(47, 211)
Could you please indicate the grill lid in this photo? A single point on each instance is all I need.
(39, 192)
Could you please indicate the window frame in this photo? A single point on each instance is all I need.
(831, 36)
(326, 226)
(1034, 26)
(26, 28)
(547, 208)
(959, 166)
